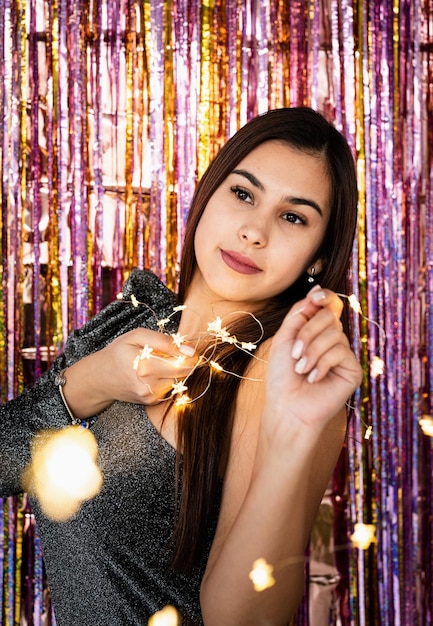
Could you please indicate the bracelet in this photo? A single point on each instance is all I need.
(60, 382)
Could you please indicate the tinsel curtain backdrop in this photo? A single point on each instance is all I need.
(110, 112)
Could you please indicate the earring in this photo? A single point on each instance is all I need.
(311, 278)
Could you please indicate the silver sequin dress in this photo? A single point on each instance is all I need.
(109, 565)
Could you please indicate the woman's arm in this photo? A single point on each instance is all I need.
(118, 373)
(284, 450)
(94, 372)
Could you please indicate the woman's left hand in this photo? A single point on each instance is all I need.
(312, 370)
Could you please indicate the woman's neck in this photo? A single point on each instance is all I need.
(203, 308)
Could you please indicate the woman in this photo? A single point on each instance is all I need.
(192, 497)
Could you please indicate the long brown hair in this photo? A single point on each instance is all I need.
(204, 426)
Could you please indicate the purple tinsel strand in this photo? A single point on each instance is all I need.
(184, 15)
(244, 91)
(252, 61)
(77, 95)
(262, 51)
(347, 115)
(63, 196)
(12, 193)
(11, 563)
(2, 540)
(314, 53)
(158, 189)
(96, 83)
(296, 14)
(35, 177)
(114, 26)
(232, 122)
(384, 490)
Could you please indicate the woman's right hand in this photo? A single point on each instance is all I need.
(140, 366)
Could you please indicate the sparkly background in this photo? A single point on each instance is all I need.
(110, 111)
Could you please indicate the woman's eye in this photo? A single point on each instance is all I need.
(294, 218)
(241, 194)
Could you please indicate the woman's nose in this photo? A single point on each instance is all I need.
(254, 232)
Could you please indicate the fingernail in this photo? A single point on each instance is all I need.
(300, 365)
(297, 349)
(187, 350)
(318, 295)
(312, 375)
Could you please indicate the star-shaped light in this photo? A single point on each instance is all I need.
(368, 432)
(216, 366)
(248, 345)
(182, 400)
(178, 387)
(262, 575)
(178, 339)
(162, 322)
(146, 352)
(215, 326)
(377, 366)
(354, 303)
(363, 536)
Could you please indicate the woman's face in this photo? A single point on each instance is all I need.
(263, 226)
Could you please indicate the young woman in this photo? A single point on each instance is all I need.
(192, 497)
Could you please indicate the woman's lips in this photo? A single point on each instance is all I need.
(239, 263)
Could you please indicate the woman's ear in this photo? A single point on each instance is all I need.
(319, 265)
(316, 267)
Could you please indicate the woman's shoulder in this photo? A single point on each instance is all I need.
(146, 287)
(144, 301)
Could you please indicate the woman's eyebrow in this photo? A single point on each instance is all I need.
(304, 201)
(253, 180)
(289, 199)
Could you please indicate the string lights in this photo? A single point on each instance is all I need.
(216, 333)
(219, 333)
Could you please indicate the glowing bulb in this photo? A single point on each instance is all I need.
(163, 322)
(178, 388)
(363, 536)
(215, 326)
(377, 366)
(182, 401)
(262, 575)
(168, 616)
(146, 352)
(426, 423)
(63, 472)
(179, 360)
(178, 339)
(216, 366)
(134, 301)
(368, 432)
(248, 345)
(354, 303)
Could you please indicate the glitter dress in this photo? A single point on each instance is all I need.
(109, 564)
